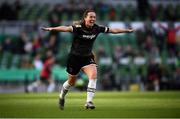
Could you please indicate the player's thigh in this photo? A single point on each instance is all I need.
(90, 70)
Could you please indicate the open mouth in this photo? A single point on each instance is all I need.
(92, 22)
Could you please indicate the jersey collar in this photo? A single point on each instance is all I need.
(86, 28)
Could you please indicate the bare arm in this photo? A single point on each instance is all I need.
(59, 28)
(117, 30)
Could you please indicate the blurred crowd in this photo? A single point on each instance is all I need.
(73, 9)
(152, 62)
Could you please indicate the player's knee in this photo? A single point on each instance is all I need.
(72, 80)
(72, 83)
(93, 75)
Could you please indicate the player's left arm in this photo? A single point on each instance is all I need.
(118, 30)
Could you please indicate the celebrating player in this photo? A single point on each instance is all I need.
(81, 56)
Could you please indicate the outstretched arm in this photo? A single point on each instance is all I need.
(59, 28)
(117, 30)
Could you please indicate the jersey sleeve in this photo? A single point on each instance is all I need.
(103, 29)
(75, 28)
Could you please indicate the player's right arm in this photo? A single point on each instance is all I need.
(59, 28)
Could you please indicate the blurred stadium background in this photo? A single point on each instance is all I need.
(146, 60)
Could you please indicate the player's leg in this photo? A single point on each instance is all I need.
(73, 68)
(51, 85)
(156, 85)
(91, 72)
(34, 85)
(65, 88)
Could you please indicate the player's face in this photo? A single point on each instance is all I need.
(90, 19)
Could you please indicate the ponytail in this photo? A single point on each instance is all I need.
(77, 22)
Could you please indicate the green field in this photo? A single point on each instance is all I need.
(108, 105)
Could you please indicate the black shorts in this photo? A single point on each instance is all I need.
(44, 79)
(75, 63)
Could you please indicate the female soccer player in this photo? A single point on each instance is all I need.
(81, 56)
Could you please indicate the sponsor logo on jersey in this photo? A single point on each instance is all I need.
(89, 36)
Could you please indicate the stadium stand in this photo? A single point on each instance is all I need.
(136, 49)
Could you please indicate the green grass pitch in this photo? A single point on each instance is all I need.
(108, 105)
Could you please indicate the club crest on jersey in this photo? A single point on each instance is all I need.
(89, 36)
